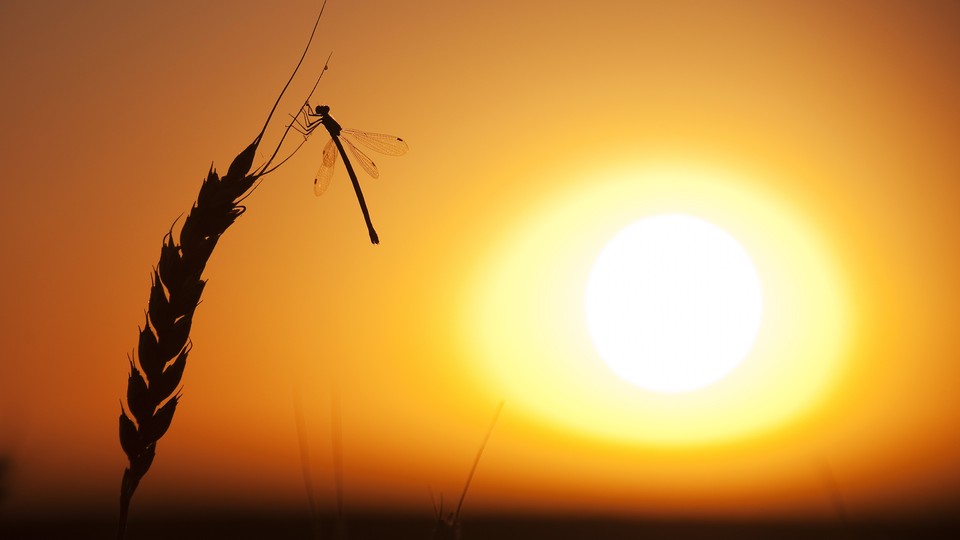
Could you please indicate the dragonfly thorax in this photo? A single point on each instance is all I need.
(323, 111)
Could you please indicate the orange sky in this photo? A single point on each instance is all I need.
(533, 128)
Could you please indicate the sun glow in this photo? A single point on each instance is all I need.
(673, 303)
(525, 314)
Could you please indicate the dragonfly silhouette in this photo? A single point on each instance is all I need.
(385, 144)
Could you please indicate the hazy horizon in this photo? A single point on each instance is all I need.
(820, 135)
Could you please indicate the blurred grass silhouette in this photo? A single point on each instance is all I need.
(4, 476)
(448, 526)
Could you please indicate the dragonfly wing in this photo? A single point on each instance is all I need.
(363, 159)
(385, 144)
(325, 173)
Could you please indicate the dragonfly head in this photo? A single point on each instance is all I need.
(322, 110)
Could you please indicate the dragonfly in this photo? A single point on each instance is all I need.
(385, 144)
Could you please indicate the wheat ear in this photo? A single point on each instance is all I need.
(165, 336)
(164, 342)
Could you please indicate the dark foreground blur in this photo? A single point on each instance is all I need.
(250, 527)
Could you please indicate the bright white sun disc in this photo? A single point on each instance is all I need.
(673, 303)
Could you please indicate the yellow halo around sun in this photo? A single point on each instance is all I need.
(673, 303)
(524, 322)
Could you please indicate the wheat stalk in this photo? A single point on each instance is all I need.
(176, 286)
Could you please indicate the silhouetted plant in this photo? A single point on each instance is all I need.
(164, 342)
(177, 284)
(337, 448)
(448, 526)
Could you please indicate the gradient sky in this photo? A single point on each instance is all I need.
(821, 134)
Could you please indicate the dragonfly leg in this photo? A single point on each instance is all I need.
(298, 127)
(307, 111)
(304, 125)
(309, 118)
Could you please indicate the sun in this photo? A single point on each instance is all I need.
(660, 304)
(673, 303)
